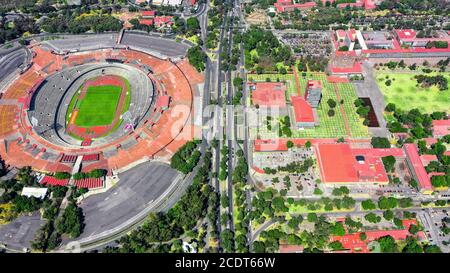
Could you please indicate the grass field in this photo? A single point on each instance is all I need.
(406, 95)
(329, 127)
(98, 107)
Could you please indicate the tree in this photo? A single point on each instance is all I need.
(388, 244)
(372, 218)
(387, 202)
(413, 229)
(389, 163)
(368, 205)
(412, 246)
(331, 103)
(197, 58)
(338, 229)
(311, 217)
(336, 245)
(390, 107)
(388, 215)
(192, 26)
(380, 142)
(290, 144)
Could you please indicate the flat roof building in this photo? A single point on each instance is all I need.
(339, 163)
(39, 193)
(268, 94)
(417, 169)
(441, 127)
(303, 113)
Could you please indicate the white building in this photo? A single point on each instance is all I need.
(167, 2)
(35, 192)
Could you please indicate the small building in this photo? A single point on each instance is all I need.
(163, 21)
(313, 93)
(441, 128)
(39, 193)
(303, 113)
(268, 94)
(148, 13)
(417, 169)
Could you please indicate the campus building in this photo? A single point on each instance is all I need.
(313, 93)
(408, 37)
(304, 116)
(268, 94)
(339, 163)
(289, 5)
(417, 169)
(441, 128)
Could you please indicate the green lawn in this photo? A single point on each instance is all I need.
(329, 127)
(406, 95)
(98, 107)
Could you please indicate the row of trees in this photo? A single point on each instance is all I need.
(426, 81)
(80, 24)
(186, 158)
(182, 218)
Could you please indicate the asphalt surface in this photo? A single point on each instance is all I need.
(137, 189)
(10, 60)
(82, 42)
(20, 232)
(369, 89)
(168, 47)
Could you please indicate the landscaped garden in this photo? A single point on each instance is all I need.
(403, 90)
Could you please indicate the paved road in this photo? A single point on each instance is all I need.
(136, 190)
(10, 60)
(168, 47)
(369, 88)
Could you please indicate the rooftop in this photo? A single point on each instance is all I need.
(303, 111)
(338, 163)
(413, 154)
(268, 94)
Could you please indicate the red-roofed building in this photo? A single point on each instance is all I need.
(426, 159)
(288, 5)
(148, 13)
(409, 37)
(354, 243)
(339, 163)
(417, 169)
(163, 21)
(303, 113)
(268, 94)
(147, 22)
(441, 127)
(269, 145)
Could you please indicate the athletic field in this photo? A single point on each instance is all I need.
(98, 107)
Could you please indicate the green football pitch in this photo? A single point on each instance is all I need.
(98, 107)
